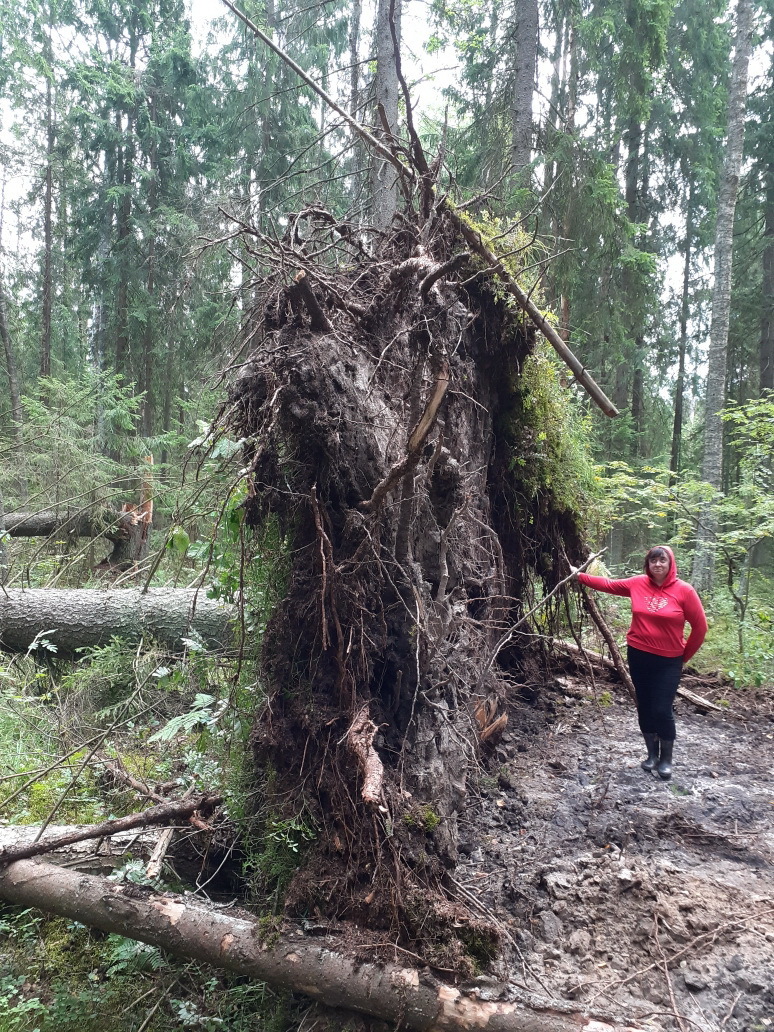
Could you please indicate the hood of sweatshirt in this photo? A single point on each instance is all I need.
(671, 576)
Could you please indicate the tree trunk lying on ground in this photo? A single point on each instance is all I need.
(98, 857)
(129, 530)
(70, 619)
(414, 998)
(47, 522)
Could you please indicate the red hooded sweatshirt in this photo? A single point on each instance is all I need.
(659, 614)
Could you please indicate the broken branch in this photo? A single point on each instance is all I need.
(165, 813)
(360, 739)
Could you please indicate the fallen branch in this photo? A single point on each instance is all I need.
(119, 775)
(596, 615)
(702, 704)
(360, 739)
(407, 996)
(165, 813)
(90, 855)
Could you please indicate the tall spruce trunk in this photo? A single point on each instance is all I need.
(675, 461)
(48, 218)
(523, 86)
(11, 371)
(712, 464)
(767, 286)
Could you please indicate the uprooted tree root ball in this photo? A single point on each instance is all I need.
(389, 436)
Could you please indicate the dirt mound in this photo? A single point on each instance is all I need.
(653, 901)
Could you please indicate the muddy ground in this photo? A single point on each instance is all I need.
(652, 901)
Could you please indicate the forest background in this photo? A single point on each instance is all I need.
(627, 144)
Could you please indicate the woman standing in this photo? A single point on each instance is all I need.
(657, 649)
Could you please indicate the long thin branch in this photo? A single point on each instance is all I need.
(507, 635)
(165, 813)
(528, 305)
(356, 127)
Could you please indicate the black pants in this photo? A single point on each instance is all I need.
(655, 679)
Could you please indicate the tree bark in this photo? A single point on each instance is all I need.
(86, 855)
(10, 369)
(47, 522)
(523, 86)
(675, 461)
(410, 997)
(767, 318)
(48, 210)
(384, 186)
(171, 811)
(712, 465)
(72, 619)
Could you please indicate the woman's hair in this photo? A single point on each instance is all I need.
(657, 552)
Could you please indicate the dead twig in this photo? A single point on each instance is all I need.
(506, 637)
(665, 966)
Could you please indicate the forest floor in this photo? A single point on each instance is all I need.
(650, 901)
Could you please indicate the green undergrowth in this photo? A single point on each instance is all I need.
(163, 719)
(56, 975)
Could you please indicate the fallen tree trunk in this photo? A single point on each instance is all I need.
(84, 854)
(408, 996)
(62, 620)
(48, 522)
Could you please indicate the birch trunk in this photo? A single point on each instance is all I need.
(712, 465)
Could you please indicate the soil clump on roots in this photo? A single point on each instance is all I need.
(481, 814)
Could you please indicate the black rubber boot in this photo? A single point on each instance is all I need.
(664, 766)
(652, 743)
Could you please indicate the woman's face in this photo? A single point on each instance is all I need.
(658, 568)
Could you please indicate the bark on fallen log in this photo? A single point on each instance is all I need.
(407, 996)
(71, 619)
(90, 855)
(47, 522)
